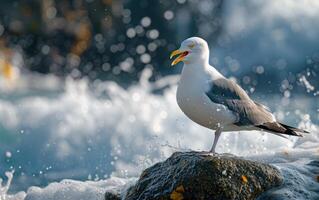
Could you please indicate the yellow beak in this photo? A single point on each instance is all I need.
(180, 58)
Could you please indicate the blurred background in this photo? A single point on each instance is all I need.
(115, 40)
(84, 81)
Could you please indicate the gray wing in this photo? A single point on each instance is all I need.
(231, 95)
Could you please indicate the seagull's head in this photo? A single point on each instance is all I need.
(192, 50)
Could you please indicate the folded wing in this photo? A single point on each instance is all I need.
(249, 113)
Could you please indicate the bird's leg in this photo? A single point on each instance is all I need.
(217, 134)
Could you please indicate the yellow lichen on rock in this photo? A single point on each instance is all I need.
(244, 179)
(177, 194)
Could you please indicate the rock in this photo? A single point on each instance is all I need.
(111, 196)
(195, 175)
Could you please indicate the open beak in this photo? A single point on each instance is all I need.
(180, 57)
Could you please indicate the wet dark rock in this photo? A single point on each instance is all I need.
(111, 196)
(194, 175)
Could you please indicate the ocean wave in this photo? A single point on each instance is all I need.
(83, 130)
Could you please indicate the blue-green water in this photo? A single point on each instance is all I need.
(91, 131)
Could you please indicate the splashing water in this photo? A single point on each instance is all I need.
(4, 189)
(93, 131)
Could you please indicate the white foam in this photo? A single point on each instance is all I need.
(78, 190)
(100, 129)
(70, 189)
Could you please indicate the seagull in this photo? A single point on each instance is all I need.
(215, 102)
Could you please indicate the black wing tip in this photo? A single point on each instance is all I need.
(294, 129)
(282, 129)
(292, 133)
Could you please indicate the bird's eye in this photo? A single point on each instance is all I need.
(191, 46)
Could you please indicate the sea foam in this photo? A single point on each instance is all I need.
(75, 129)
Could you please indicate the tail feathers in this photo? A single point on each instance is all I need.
(280, 128)
(293, 128)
